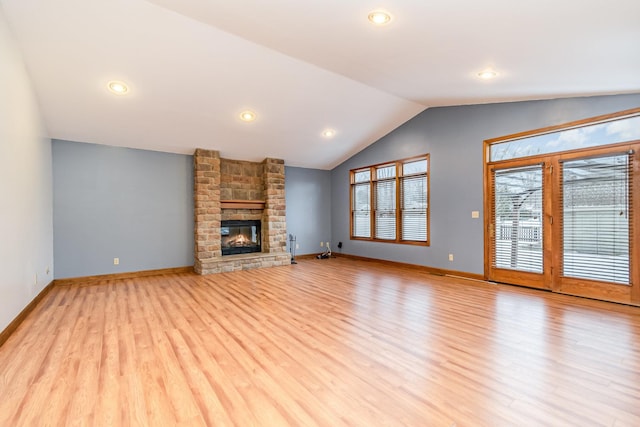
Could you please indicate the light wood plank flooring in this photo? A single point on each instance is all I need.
(325, 342)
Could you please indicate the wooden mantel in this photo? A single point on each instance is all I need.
(242, 204)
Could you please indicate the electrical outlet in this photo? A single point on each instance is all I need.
(47, 270)
(475, 214)
(35, 282)
(116, 261)
(321, 244)
(327, 244)
(450, 257)
(297, 246)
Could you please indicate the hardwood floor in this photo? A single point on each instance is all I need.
(325, 342)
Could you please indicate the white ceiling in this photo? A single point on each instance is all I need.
(306, 65)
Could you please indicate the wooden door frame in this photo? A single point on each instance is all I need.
(627, 294)
(530, 279)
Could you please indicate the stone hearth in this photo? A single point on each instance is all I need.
(238, 190)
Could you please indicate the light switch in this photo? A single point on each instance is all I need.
(475, 214)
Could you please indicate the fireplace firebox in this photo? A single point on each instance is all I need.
(240, 237)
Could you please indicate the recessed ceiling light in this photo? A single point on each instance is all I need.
(119, 88)
(247, 116)
(329, 133)
(378, 17)
(487, 74)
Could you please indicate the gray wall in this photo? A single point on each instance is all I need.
(112, 202)
(26, 230)
(138, 205)
(308, 197)
(454, 136)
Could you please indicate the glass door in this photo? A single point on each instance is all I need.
(561, 208)
(595, 208)
(517, 231)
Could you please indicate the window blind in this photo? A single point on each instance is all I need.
(596, 198)
(517, 219)
(413, 190)
(385, 209)
(360, 210)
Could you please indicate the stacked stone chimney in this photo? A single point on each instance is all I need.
(232, 189)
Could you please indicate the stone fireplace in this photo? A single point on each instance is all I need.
(233, 190)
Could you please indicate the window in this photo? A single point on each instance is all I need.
(390, 202)
(614, 130)
(517, 202)
(385, 203)
(361, 194)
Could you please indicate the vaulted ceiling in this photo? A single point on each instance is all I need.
(305, 66)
